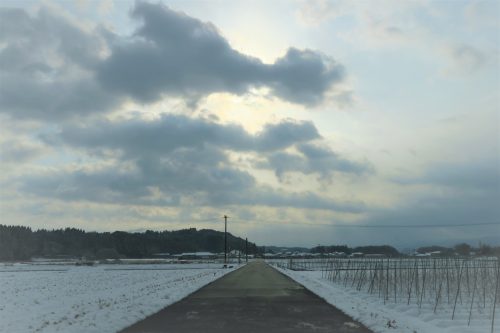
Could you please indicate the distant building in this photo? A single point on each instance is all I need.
(236, 253)
(429, 254)
(196, 255)
(375, 255)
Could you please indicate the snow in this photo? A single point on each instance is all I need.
(103, 298)
(388, 318)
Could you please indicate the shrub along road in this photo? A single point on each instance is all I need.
(254, 298)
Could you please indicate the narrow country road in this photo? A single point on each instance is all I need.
(255, 298)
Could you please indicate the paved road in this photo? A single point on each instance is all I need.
(255, 298)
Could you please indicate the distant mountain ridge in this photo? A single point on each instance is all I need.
(22, 243)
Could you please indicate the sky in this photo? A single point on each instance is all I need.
(305, 122)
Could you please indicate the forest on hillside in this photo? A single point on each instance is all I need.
(22, 243)
(462, 249)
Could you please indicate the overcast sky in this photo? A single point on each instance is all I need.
(290, 117)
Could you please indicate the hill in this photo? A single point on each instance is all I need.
(22, 243)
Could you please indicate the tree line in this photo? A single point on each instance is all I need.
(463, 249)
(370, 249)
(22, 243)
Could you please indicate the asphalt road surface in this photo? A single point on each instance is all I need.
(255, 298)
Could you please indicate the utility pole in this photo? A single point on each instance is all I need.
(225, 239)
(246, 250)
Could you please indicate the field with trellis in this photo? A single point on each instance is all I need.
(462, 290)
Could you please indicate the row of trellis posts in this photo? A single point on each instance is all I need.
(429, 282)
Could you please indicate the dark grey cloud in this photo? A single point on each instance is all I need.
(110, 185)
(47, 67)
(465, 193)
(27, 96)
(457, 202)
(478, 175)
(313, 159)
(169, 182)
(443, 210)
(284, 134)
(199, 177)
(189, 174)
(175, 160)
(174, 54)
(139, 137)
(17, 151)
(45, 33)
(323, 159)
(53, 68)
(474, 175)
(304, 76)
(267, 196)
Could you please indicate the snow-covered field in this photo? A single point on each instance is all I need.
(103, 298)
(391, 317)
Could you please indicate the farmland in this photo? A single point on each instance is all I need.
(48, 297)
(459, 295)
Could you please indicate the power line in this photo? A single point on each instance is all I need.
(341, 225)
(212, 219)
(335, 225)
(414, 225)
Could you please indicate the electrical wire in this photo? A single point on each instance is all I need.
(338, 225)
(343, 225)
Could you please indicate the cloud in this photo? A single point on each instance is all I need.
(314, 12)
(481, 175)
(53, 67)
(303, 76)
(46, 66)
(170, 132)
(377, 22)
(285, 134)
(463, 58)
(172, 54)
(186, 177)
(441, 210)
(19, 151)
(459, 193)
(266, 196)
(324, 159)
(181, 177)
(313, 159)
(175, 161)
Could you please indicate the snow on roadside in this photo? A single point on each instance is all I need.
(105, 298)
(375, 315)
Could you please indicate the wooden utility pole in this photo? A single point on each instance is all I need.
(246, 250)
(225, 239)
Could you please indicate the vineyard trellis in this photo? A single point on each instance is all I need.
(437, 284)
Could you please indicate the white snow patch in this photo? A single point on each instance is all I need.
(100, 299)
(388, 318)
